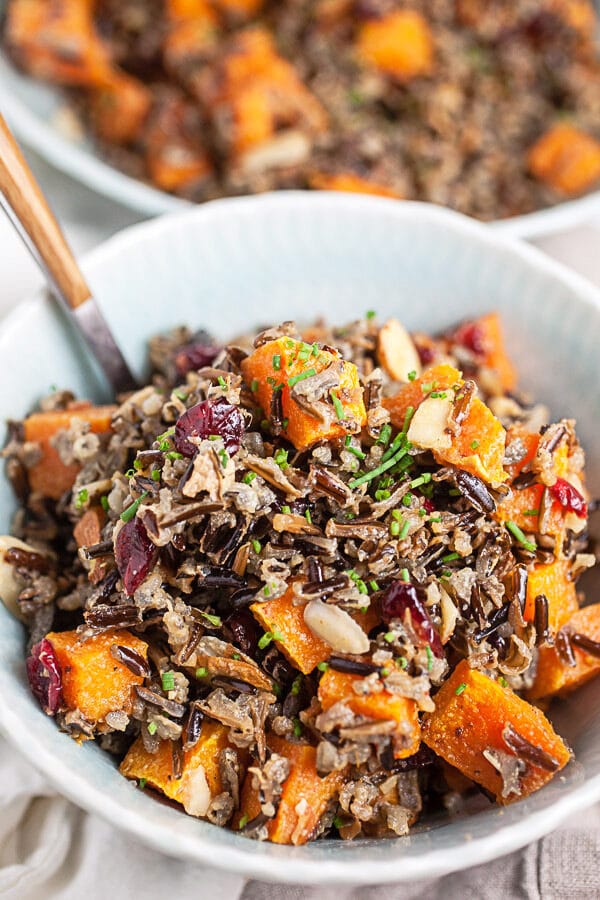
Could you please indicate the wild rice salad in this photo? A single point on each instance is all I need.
(491, 107)
(310, 585)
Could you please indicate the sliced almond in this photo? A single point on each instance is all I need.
(195, 792)
(429, 425)
(396, 351)
(10, 583)
(334, 626)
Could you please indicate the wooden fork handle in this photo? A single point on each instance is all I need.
(28, 208)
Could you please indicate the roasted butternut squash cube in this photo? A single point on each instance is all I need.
(566, 159)
(338, 687)
(351, 183)
(477, 722)
(399, 44)
(93, 681)
(282, 365)
(200, 780)
(552, 580)
(293, 636)
(50, 476)
(304, 799)
(554, 676)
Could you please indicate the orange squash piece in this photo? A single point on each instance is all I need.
(479, 445)
(350, 183)
(471, 713)
(49, 476)
(119, 110)
(175, 159)
(304, 799)
(279, 616)
(273, 365)
(336, 687)
(552, 580)
(553, 676)
(566, 159)
(491, 349)
(200, 780)
(399, 44)
(93, 681)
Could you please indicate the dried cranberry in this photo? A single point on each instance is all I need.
(428, 505)
(242, 630)
(135, 555)
(426, 354)
(471, 336)
(194, 356)
(206, 418)
(45, 677)
(402, 596)
(569, 497)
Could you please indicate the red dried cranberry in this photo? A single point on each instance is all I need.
(426, 354)
(206, 418)
(135, 555)
(569, 497)
(471, 336)
(45, 677)
(428, 505)
(402, 596)
(194, 356)
(242, 630)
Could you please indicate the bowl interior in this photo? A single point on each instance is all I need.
(236, 264)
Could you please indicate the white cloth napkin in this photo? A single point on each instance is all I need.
(50, 849)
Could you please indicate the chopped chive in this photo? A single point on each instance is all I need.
(142, 783)
(138, 465)
(394, 528)
(438, 395)
(315, 349)
(404, 531)
(256, 546)
(295, 689)
(531, 512)
(450, 557)
(370, 314)
(363, 609)
(82, 498)
(202, 672)
(277, 362)
(337, 405)
(221, 381)
(104, 503)
(249, 477)
(385, 671)
(168, 681)
(425, 478)
(427, 387)
(173, 455)
(459, 690)
(382, 495)
(322, 666)
(281, 458)
(254, 385)
(404, 575)
(502, 681)
(151, 727)
(155, 474)
(235, 656)
(180, 394)
(128, 514)
(519, 536)
(296, 378)
(402, 662)
(407, 499)
(285, 424)
(379, 470)
(389, 636)
(214, 620)
(268, 637)
(308, 516)
(422, 512)
(407, 418)
(412, 375)
(385, 434)
(474, 444)
(243, 822)
(266, 590)
(338, 823)
(297, 727)
(373, 585)
(436, 518)
(224, 457)
(286, 510)
(429, 653)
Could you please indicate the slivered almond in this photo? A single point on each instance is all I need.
(195, 792)
(396, 351)
(334, 626)
(429, 425)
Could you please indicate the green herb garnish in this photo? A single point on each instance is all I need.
(128, 514)
(520, 537)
